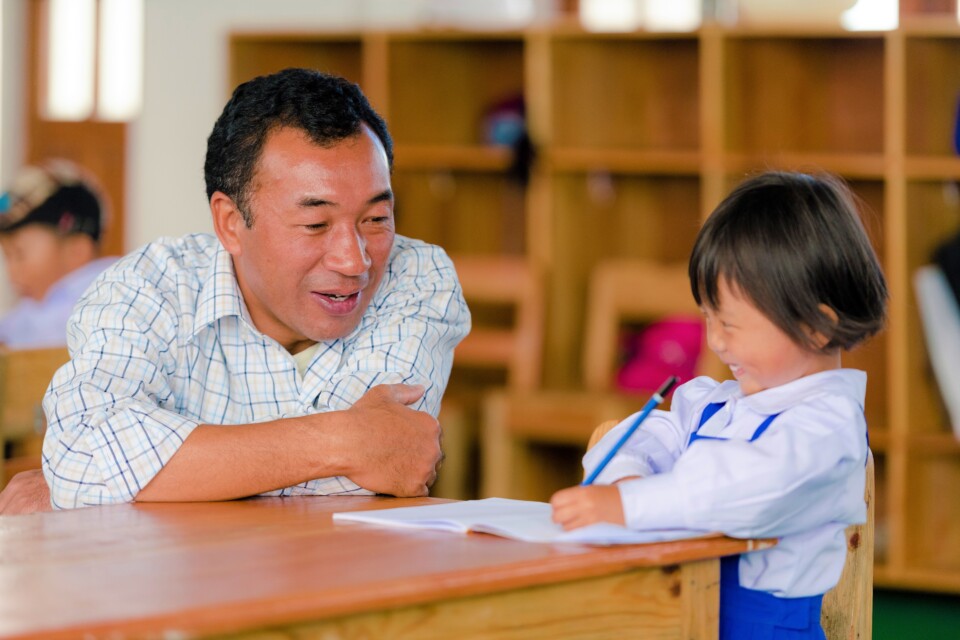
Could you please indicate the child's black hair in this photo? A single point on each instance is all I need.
(790, 242)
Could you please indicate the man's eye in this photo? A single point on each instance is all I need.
(316, 227)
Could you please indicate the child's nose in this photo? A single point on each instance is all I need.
(715, 341)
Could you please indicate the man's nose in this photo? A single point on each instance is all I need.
(347, 253)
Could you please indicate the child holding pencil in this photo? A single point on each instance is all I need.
(786, 279)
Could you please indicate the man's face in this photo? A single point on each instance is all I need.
(35, 259)
(322, 232)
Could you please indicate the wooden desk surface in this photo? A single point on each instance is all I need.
(176, 570)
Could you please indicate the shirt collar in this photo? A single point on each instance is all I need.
(849, 382)
(219, 295)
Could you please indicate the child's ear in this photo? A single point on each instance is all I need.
(818, 338)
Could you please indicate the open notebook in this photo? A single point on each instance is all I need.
(517, 519)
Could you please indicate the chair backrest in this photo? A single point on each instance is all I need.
(847, 612)
(623, 290)
(513, 282)
(24, 378)
(601, 430)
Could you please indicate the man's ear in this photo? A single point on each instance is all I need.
(818, 338)
(228, 221)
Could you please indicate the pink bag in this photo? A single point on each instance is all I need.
(667, 347)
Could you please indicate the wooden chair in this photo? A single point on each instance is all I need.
(516, 425)
(24, 378)
(847, 612)
(513, 284)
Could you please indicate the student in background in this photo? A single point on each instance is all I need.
(787, 279)
(50, 225)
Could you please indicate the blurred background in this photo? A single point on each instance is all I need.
(574, 144)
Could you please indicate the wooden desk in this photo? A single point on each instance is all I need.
(272, 564)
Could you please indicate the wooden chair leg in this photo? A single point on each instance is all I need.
(459, 435)
(501, 454)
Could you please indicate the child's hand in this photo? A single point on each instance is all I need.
(579, 506)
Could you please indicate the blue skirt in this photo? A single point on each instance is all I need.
(746, 614)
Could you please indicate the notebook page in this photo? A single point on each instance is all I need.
(518, 519)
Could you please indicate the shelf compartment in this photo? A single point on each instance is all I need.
(606, 215)
(933, 512)
(932, 212)
(804, 94)
(441, 89)
(625, 93)
(931, 95)
(255, 54)
(462, 211)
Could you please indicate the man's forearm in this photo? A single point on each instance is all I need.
(226, 462)
(380, 444)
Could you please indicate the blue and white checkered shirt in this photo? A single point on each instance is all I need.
(163, 342)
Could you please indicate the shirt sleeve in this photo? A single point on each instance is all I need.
(806, 470)
(108, 432)
(657, 443)
(416, 321)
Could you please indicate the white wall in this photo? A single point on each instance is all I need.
(12, 56)
(186, 86)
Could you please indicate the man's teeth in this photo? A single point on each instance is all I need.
(334, 296)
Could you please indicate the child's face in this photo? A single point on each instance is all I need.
(758, 353)
(35, 259)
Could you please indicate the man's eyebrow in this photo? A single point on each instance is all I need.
(314, 202)
(384, 196)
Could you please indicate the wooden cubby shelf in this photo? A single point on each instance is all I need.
(637, 137)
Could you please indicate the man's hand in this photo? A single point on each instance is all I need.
(579, 506)
(395, 449)
(27, 492)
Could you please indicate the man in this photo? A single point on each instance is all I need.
(50, 225)
(304, 350)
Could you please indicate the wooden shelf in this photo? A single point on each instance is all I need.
(679, 163)
(453, 157)
(937, 444)
(879, 439)
(917, 579)
(638, 136)
(869, 166)
(932, 168)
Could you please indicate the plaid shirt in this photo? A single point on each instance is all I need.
(163, 342)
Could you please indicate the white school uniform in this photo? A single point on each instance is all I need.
(801, 481)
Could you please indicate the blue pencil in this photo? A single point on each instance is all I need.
(656, 399)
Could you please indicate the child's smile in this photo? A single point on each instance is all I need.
(758, 353)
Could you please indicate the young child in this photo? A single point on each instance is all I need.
(50, 225)
(786, 279)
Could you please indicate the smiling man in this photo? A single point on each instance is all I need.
(303, 350)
